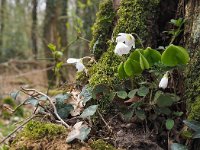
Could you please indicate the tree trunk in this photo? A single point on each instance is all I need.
(34, 28)
(2, 13)
(55, 32)
(192, 42)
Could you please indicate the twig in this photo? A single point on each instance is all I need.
(8, 136)
(51, 102)
(107, 125)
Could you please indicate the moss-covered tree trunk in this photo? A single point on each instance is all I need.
(192, 42)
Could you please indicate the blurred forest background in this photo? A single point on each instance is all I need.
(26, 29)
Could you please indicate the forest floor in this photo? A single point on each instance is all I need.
(119, 133)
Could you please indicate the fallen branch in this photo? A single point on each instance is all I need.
(107, 125)
(35, 92)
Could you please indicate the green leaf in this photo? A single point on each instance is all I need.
(165, 110)
(143, 62)
(121, 71)
(132, 93)
(175, 55)
(65, 110)
(194, 125)
(60, 99)
(136, 55)
(128, 68)
(152, 56)
(178, 113)
(52, 47)
(100, 89)
(164, 100)
(169, 124)
(32, 101)
(122, 94)
(89, 111)
(112, 96)
(143, 91)
(140, 114)
(84, 131)
(14, 94)
(136, 68)
(128, 114)
(176, 146)
(86, 93)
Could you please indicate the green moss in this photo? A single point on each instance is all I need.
(37, 130)
(195, 110)
(105, 71)
(101, 145)
(138, 16)
(135, 16)
(6, 115)
(102, 29)
(193, 88)
(55, 92)
(9, 101)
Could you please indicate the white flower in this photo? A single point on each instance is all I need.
(78, 62)
(127, 39)
(121, 49)
(164, 81)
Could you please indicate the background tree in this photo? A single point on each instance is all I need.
(34, 28)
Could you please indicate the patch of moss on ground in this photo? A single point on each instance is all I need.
(101, 145)
(102, 28)
(37, 130)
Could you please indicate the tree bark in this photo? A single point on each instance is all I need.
(55, 31)
(2, 13)
(34, 28)
(192, 42)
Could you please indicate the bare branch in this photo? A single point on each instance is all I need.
(26, 91)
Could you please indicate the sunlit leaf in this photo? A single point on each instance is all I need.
(128, 67)
(143, 62)
(175, 55)
(121, 71)
(136, 55)
(89, 111)
(152, 56)
(169, 124)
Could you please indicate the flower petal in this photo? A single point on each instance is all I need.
(79, 66)
(121, 49)
(72, 60)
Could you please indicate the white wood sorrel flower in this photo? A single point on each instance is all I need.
(124, 43)
(78, 62)
(164, 81)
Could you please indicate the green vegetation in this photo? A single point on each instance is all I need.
(37, 130)
(102, 29)
(101, 145)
